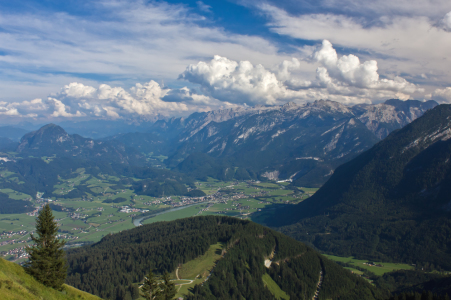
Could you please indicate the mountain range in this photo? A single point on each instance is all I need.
(303, 143)
(300, 142)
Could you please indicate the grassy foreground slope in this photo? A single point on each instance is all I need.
(16, 284)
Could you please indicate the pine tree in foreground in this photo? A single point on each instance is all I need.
(150, 289)
(167, 288)
(47, 262)
(154, 289)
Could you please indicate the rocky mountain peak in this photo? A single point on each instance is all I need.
(49, 134)
(383, 118)
(328, 105)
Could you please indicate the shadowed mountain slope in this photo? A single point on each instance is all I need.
(389, 203)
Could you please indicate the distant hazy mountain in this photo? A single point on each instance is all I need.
(13, 133)
(390, 202)
(53, 140)
(7, 144)
(143, 142)
(98, 129)
(304, 142)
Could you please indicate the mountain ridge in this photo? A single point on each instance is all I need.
(390, 196)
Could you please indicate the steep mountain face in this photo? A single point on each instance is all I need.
(112, 267)
(302, 142)
(53, 140)
(323, 132)
(143, 142)
(382, 119)
(390, 202)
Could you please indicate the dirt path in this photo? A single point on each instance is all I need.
(318, 286)
(180, 284)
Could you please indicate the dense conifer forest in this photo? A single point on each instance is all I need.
(112, 267)
(12, 206)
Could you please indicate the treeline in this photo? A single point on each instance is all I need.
(426, 295)
(402, 280)
(116, 200)
(11, 206)
(170, 187)
(111, 267)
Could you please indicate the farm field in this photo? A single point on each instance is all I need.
(107, 206)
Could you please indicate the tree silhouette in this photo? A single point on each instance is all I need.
(167, 288)
(47, 262)
(150, 289)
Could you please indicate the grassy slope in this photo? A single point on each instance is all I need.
(16, 284)
(274, 288)
(200, 266)
(386, 267)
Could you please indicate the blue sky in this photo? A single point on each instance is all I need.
(127, 59)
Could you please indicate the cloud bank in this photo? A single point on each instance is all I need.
(414, 42)
(225, 83)
(369, 52)
(344, 79)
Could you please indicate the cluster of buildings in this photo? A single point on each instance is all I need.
(16, 253)
(9, 234)
(67, 237)
(77, 216)
(127, 209)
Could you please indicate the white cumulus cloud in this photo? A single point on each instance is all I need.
(348, 70)
(236, 82)
(447, 21)
(344, 79)
(442, 95)
(410, 43)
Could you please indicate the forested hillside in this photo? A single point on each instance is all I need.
(113, 267)
(389, 203)
(32, 175)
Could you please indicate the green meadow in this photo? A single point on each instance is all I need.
(385, 266)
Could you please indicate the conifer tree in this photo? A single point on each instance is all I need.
(47, 261)
(150, 289)
(167, 288)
